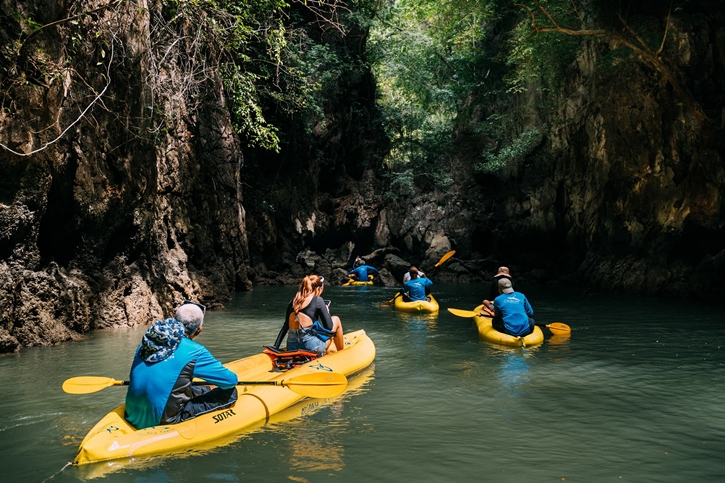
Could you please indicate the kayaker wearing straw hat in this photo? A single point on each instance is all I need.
(503, 272)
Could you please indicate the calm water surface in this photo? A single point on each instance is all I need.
(637, 393)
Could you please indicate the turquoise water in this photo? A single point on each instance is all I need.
(637, 393)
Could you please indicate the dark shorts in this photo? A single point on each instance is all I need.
(205, 400)
(498, 324)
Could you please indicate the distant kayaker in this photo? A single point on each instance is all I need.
(406, 277)
(166, 361)
(503, 272)
(512, 311)
(417, 288)
(308, 320)
(362, 273)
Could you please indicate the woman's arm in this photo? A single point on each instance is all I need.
(285, 326)
(323, 313)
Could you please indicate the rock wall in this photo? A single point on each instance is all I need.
(625, 193)
(115, 203)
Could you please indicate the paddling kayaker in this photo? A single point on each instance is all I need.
(417, 287)
(503, 272)
(362, 273)
(308, 320)
(406, 277)
(512, 311)
(166, 362)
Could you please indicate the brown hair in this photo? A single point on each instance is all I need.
(413, 272)
(311, 284)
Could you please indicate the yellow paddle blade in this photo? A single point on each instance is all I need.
(88, 384)
(558, 328)
(445, 257)
(317, 384)
(463, 313)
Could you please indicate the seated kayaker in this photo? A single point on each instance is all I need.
(362, 273)
(417, 288)
(406, 277)
(503, 272)
(512, 311)
(308, 320)
(166, 361)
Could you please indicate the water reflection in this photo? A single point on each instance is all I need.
(514, 371)
(316, 446)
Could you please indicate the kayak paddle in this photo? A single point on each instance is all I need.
(554, 327)
(445, 257)
(316, 384)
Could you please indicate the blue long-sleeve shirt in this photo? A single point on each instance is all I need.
(416, 288)
(515, 310)
(362, 272)
(159, 390)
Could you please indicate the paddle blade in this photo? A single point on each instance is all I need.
(389, 302)
(445, 257)
(317, 384)
(463, 313)
(88, 384)
(558, 328)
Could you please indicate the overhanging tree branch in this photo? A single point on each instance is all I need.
(646, 54)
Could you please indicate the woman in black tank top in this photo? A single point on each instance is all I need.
(308, 318)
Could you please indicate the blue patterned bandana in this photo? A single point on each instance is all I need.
(161, 340)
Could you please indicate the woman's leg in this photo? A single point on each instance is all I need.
(337, 327)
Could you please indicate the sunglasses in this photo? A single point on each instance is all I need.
(202, 307)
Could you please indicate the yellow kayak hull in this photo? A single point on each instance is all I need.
(355, 282)
(424, 306)
(488, 333)
(113, 438)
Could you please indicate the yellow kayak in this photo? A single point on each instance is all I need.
(417, 306)
(352, 281)
(113, 438)
(487, 332)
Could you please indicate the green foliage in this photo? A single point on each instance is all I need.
(612, 61)
(511, 155)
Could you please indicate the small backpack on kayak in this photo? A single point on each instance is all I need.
(285, 360)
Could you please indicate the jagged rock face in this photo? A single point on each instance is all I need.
(104, 225)
(630, 198)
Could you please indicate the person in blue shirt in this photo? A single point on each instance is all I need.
(362, 273)
(512, 311)
(167, 360)
(417, 286)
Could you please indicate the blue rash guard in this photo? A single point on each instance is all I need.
(158, 390)
(515, 310)
(416, 288)
(362, 272)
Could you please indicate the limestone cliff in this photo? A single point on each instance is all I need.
(118, 199)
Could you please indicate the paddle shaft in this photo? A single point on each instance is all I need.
(327, 384)
(554, 327)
